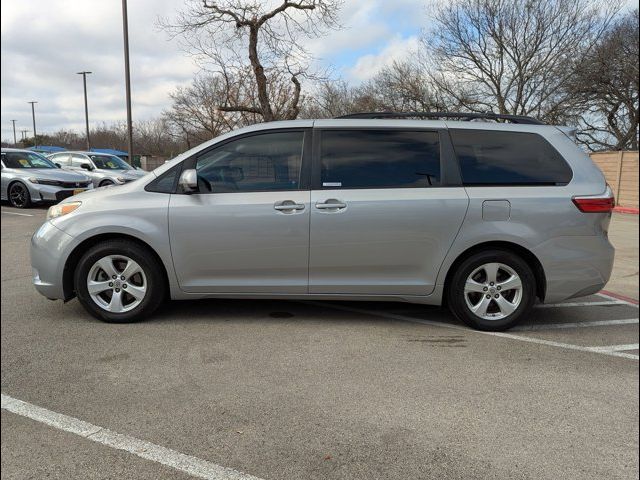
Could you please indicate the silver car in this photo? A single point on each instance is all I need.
(102, 168)
(28, 177)
(485, 217)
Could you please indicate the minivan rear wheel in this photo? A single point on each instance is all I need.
(119, 281)
(492, 290)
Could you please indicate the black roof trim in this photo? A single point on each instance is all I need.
(456, 115)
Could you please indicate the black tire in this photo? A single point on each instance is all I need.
(456, 290)
(104, 183)
(18, 195)
(155, 280)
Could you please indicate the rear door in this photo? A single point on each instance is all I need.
(386, 205)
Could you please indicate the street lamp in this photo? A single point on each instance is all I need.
(86, 106)
(15, 141)
(33, 115)
(127, 78)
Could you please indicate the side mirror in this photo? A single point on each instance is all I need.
(189, 181)
(86, 166)
(58, 165)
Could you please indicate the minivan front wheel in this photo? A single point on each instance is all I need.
(119, 281)
(492, 290)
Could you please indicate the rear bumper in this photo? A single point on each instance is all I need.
(50, 246)
(575, 266)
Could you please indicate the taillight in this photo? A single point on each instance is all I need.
(596, 204)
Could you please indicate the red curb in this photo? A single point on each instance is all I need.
(633, 211)
(619, 297)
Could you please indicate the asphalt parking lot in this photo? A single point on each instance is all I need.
(306, 390)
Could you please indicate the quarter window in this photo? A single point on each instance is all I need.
(265, 162)
(379, 159)
(508, 158)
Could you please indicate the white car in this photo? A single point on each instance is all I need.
(103, 169)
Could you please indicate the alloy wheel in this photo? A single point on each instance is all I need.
(493, 291)
(117, 283)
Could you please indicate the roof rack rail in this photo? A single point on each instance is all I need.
(457, 115)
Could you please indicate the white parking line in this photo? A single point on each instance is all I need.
(611, 297)
(520, 338)
(582, 304)
(595, 323)
(617, 348)
(15, 213)
(149, 451)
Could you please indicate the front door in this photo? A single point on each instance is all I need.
(382, 220)
(247, 228)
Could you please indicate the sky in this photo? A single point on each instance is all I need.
(45, 42)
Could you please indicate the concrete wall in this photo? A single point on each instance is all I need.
(149, 163)
(621, 170)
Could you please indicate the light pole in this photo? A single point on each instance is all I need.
(86, 106)
(15, 141)
(33, 115)
(127, 79)
(24, 133)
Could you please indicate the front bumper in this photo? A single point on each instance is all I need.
(50, 247)
(50, 193)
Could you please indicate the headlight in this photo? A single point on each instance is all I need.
(62, 209)
(33, 179)
(121, 179)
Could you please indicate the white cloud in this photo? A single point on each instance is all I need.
(45, 42)
(398, 49)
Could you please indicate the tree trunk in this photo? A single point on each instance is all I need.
(261, 78)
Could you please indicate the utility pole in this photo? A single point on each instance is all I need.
(15, 142)
(33, 115)
(127, 79)
(24, 133)
(86, 106)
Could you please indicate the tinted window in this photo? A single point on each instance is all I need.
(166, 182)
(266, 162)
(26, 160)
(508, 158)
(110, 162)
(379, 159)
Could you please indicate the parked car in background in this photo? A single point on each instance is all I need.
(28, 177)
(484, 217)
(103, 169)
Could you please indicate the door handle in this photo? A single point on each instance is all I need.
(331, 204)
(288, 206)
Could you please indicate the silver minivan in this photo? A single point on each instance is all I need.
(485, 217)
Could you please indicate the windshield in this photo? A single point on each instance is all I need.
(110, 162)
(25, 160)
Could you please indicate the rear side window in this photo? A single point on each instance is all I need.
(379, 159)
(508, 158)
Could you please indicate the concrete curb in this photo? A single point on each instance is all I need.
(633, 211)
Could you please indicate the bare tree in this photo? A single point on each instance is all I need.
(605, 87)
(272, 35)
(512, 56)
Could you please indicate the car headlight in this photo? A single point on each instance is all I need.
(121, 179)
(33, 179)
(62, 209)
